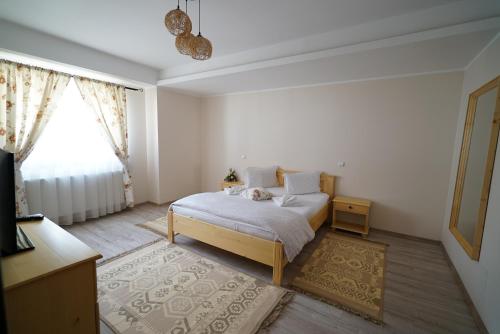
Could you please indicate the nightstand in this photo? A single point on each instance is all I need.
(352, 206)
(227, 184)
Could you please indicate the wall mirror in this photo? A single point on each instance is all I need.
(475, 169)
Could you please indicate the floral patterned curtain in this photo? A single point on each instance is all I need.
(28, 96)
(109, 103)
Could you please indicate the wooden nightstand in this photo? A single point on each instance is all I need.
(355, 206)
(226, 184)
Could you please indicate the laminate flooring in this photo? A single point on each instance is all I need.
(422, 294)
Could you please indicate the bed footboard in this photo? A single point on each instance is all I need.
(170, 221)
(261, 250)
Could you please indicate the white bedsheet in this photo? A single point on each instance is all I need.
(306, 206)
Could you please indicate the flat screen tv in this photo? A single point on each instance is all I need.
(13, 239)
(3, 320)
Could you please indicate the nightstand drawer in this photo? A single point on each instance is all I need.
(226, 184)
(359, 209)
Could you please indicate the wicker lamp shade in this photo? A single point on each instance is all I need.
(177, 22)
(201, 48)
(183, 43)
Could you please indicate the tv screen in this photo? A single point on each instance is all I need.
(7, 203)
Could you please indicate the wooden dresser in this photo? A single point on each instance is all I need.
(51, 289)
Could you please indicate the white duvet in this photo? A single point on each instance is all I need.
(289, 227)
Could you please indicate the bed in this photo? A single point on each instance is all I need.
(241, 240)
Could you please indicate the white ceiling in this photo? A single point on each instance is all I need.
(134, 29)
(436, 55)
(269, 44)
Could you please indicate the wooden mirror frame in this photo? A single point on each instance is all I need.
(474, 249)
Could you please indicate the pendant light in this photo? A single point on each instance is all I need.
(183, 41)
(177, 22)
(201, 48)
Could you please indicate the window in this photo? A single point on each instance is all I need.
(73, 174)
(71, 144)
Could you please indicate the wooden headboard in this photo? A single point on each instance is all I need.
(327, 181)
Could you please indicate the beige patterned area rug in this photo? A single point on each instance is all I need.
(164, 288)
(346, 272)
(159, 226)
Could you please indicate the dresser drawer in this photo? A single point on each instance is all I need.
(353, 208)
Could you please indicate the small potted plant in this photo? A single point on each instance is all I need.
(231, 176)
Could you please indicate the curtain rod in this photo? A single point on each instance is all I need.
(134, 89)
(71, 75)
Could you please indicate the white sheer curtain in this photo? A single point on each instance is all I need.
(72, 173)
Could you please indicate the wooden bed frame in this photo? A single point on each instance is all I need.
(261, 250)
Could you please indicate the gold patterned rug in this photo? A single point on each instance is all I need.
(158, 226)
(163, 288)
(346, 272)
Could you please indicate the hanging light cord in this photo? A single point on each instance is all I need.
(199, 17)
(186, 7)
(178, 4)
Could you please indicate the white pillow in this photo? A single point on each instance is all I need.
(277, 191)
(302, 183)
(261, 177)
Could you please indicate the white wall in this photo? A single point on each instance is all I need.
(153, 165)
(179, 142)
(164, 139)
(136, 117)
(395, 135)
(480, 278)
(23, 40)
(164, 143)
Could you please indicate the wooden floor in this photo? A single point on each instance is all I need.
(421, 295)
